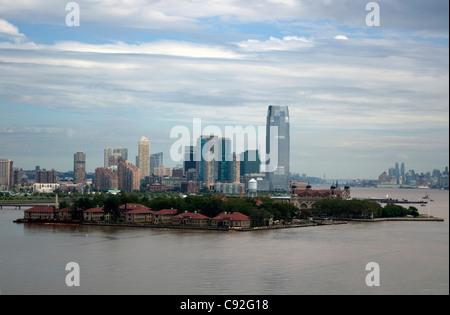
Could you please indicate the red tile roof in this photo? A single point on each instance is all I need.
(41, 209)
(133, 206)
(93, 210)
(166, 211)
(191, 215)
(235, 216)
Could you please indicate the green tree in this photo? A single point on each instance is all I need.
(112, 204)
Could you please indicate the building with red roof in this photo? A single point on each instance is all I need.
(190, 219)
(40, 213)
(231, 219)
(164, 216)
(96, 214)
(137, 213)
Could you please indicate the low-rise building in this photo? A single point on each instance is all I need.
(40, 213)
(231, 219)
(96, 214)
(137, 213)
(190, 219)
(163, 216)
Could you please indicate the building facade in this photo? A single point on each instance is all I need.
(128, 177)
(144, 157)
(106, 179)
(6, 172)
(278, 147)
(79, 167)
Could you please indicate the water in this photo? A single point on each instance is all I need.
(413, 257)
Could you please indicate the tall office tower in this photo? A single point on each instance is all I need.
(189, 161)
(402, 173)
(128, 176)
(278, 116)
(250, 162)
(207, 148)
(156, 160)
(234, 169)
(123, 152)
(108, 152)
(144, 157)
(225, 161)
(6, 172)
(113, 157)
(79, 167)
(106, 179)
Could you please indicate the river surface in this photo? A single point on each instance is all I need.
(413, 257)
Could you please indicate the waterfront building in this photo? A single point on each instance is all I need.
(231, 219)
(63, 214)
(144, 157)
(278, 117)
(96, 214)
(163, 216)
(191, 219)
(136, 213)
(40, 213)
(6, 172)
(304, 199)
(79, 167)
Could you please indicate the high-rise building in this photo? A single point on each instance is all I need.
(113, 157)
(225, 161)
(189, 159)
(277, 133)
(128, 176)
(6, 172)
(45, 177)
(106, 179)
(156, 160)
(207, 149)
(79, 167)
(250, 162)
(144, 157)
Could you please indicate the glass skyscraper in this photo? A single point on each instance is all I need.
(278, 147)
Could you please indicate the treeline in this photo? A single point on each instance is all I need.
(355, 208)
(209, 206)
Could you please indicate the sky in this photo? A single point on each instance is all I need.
(361, 97)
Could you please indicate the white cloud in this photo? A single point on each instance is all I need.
(9, 31)
(287, 43)
(341, 37)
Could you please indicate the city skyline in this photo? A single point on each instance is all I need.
(360, 97)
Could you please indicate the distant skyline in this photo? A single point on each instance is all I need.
(360, 98)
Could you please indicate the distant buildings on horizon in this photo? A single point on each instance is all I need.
(210, 164)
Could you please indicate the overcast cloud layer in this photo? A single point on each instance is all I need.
(361, 98)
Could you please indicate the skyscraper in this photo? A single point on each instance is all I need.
(156, 160)
(278, 147)
(144, 157)
(79, 167)
(6, 172)
(207, 149)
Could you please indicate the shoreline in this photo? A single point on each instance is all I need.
(231, 229)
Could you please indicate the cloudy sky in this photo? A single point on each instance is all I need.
(360, 97)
